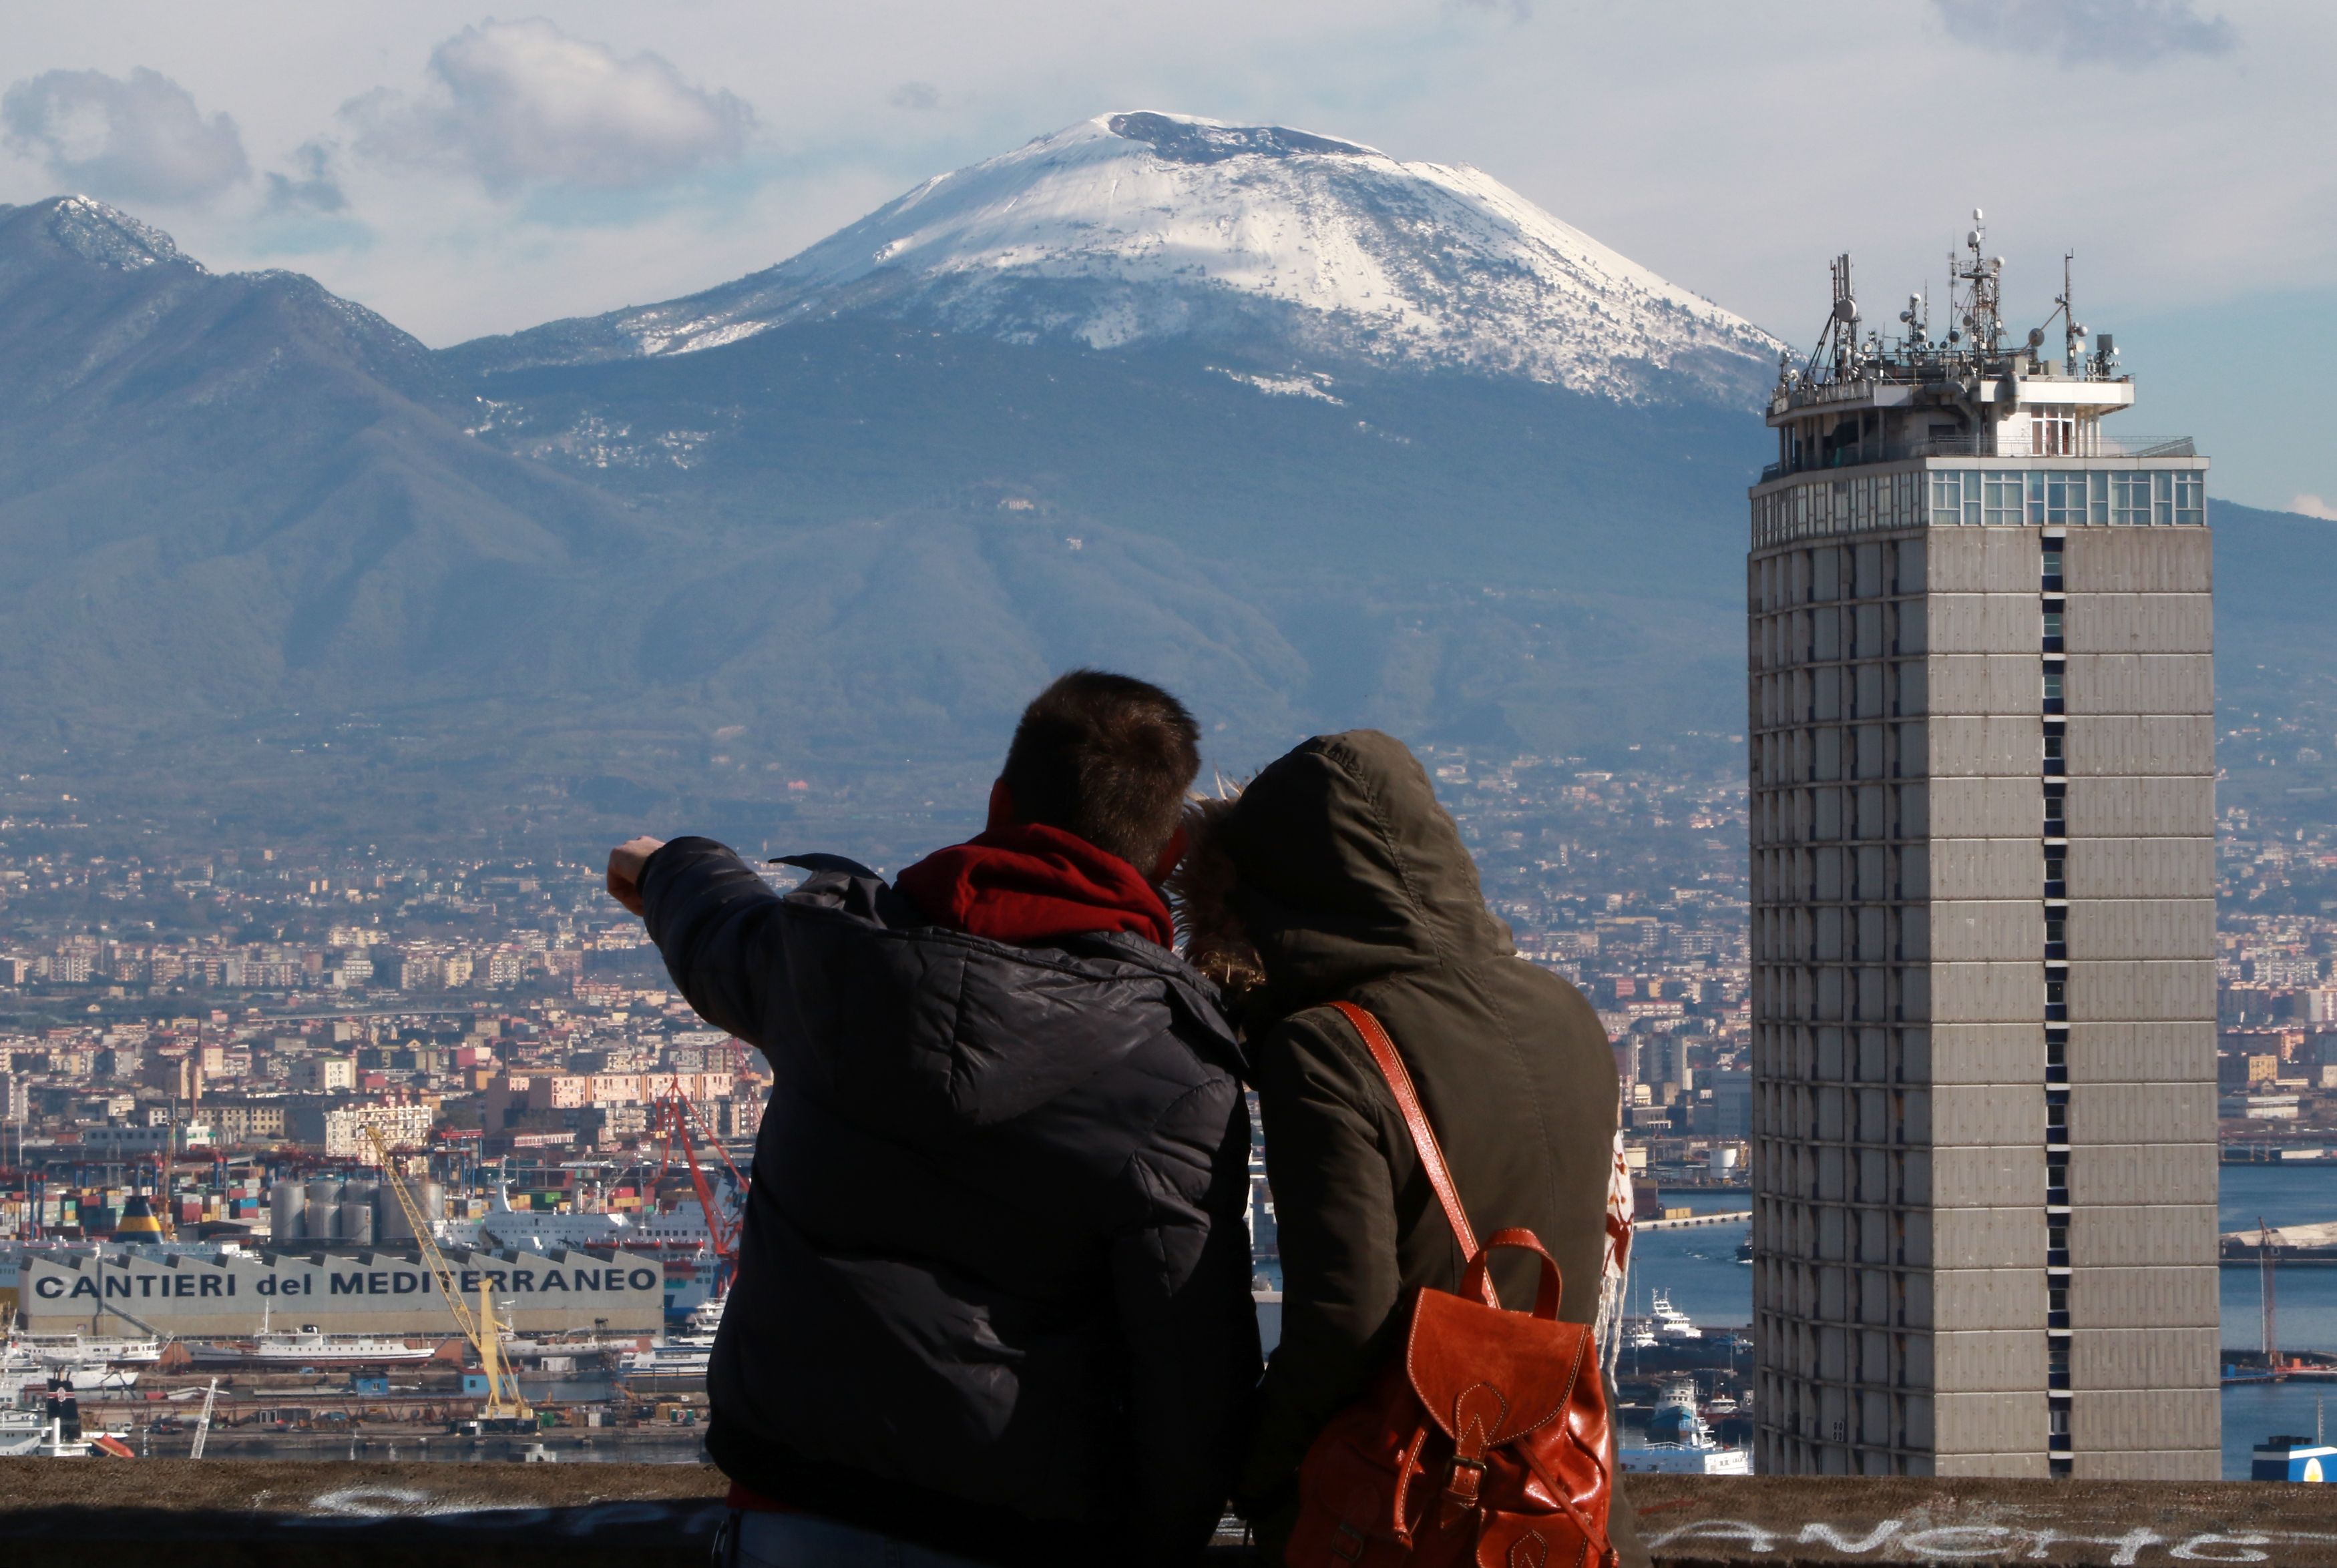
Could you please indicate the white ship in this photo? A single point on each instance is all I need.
(672, 1359)
(82, 1350)
(682, 1228)
(705, 1318)
(677, 1237)
(70, 1362)
(308, 1346)
(1667, 1320)
(1678, 1442)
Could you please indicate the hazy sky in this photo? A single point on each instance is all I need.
(465, 172)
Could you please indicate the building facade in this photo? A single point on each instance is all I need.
(1983, 920)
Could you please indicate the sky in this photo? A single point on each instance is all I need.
(466, 171)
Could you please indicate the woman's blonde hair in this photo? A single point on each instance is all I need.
(1200, 893)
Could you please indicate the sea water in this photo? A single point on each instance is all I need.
(1699, 1270)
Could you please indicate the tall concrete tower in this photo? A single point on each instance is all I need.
(1983, 911)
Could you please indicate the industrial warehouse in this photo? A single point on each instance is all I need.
(229, 1292)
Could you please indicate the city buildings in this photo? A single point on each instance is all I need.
(1983, 947)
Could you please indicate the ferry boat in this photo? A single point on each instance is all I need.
(308, 1346)
(1680, 1443)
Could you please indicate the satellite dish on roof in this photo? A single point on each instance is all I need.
(2036, 336)
(1976, 215)
(1846, 309)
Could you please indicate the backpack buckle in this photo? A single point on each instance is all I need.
(1461, 1484)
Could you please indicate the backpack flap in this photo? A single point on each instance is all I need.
(1487, 1376)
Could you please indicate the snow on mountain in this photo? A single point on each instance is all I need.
(1138, 228)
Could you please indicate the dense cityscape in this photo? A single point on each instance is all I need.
(260, 1005)
(189, 1041)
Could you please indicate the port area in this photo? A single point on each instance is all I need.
(1720, 1363)
(413, 1414)
(209, 1514)
(2282, 1367)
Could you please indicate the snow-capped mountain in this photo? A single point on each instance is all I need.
(1133, 229)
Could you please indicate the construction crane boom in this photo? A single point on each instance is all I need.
(2268, 1281)
(722, 1234)
(203, 1426)
(503, 1401)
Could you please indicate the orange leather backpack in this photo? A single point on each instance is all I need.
(1487, 1443)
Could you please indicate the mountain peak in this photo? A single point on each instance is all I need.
(1189, 139)
(1286, 247)
(104, 235)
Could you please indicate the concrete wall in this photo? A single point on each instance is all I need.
(1901, 1136)
(2142, 1003)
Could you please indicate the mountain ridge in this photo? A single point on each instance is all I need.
(277, 561)
(1142, 228)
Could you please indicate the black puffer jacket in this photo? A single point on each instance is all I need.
(1352, 883)
(993, 1291)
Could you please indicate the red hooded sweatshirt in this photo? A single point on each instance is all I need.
(1033, 886)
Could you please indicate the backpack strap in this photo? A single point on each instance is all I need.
(1415, 1119)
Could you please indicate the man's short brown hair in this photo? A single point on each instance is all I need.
(1107, 757)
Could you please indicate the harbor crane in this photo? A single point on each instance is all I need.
(674, 1113)
(503, 1402)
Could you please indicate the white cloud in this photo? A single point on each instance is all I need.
(136, 140)
(523, 104)
(2312, 506)
(2127, 33)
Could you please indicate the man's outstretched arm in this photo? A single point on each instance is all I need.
(709, 912)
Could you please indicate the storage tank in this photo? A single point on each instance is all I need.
(319, 1223)
(356, 1220)
(284, 1211)
(389, 1215)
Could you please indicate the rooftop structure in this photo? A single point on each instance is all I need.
(1983, 914)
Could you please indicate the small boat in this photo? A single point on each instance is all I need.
(55, 1433)
(1678, 1443)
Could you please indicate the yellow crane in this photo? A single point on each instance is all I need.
(503, 1401)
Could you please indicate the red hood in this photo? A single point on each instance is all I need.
(1033, 886)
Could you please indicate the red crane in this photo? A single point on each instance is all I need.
(674, 1113)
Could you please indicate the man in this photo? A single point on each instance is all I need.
(993, 1287)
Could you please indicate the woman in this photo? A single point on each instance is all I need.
(1335, 876)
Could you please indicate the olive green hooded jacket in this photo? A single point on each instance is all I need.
(1354, 885)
